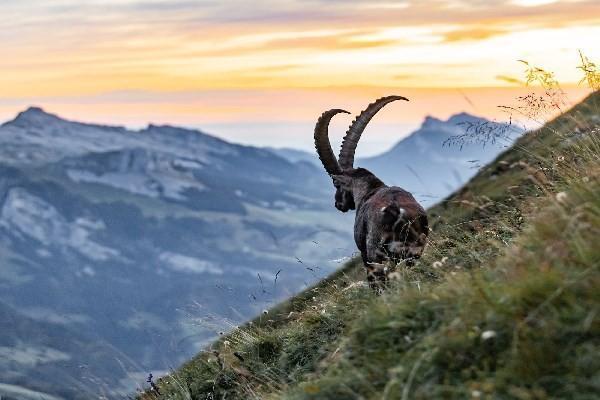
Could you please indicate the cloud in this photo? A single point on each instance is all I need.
(69, 47)
(532, 3)
(339, 42)
(475, 33)
(403, 77)
(188, 13)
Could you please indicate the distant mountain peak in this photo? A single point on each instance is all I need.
(430, 120)
(463, 114)
(462, 117)
(432, 126)
(36, 112)
(33, 115)
(452, 120)
(37, 117)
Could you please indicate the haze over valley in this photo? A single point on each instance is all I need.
(136, 248)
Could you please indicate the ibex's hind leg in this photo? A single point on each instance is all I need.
(376, 275)
(368, 269)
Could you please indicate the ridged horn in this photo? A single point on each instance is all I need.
(322, 141)
(346, 159)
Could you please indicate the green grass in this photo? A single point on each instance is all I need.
(505, 302)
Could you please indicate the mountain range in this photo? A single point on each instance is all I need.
(145, 243)
(124, 252)
(436, 159)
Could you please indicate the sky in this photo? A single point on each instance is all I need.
(261, 72)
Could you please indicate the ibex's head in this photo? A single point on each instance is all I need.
(343, 173)
(344, 198)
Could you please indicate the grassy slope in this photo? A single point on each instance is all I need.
(504, 304)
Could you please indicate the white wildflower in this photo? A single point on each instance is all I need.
(486, 335)
(561, 197)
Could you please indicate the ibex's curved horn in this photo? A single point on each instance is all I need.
(358, 126)
(322, 142)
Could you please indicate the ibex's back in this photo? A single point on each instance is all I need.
(390, 225)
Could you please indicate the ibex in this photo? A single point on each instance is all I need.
(389, 224)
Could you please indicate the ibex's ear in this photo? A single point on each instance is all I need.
(342, 180)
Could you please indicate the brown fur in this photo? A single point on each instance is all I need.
(390, 224)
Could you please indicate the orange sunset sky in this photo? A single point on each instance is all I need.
(261, 72)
